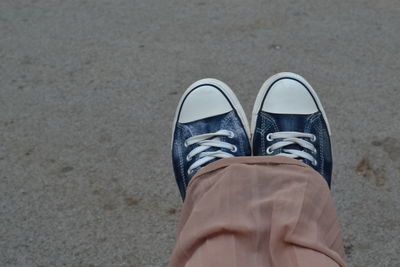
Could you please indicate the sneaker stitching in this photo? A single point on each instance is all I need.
(180, 153)
(320, 131)
(311, 119)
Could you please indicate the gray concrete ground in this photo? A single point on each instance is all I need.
(87, 94)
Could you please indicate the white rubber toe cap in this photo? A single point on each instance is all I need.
(288, 96)
(203, 102)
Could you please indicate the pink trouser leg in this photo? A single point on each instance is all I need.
(258, 211)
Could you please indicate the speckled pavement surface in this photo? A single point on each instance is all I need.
(87, 95)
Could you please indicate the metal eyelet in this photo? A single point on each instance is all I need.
(269, 137)
(234, 149)
(185, 144)
(189, 172)
(313, 138)
(315, 162)
(188, 159)
(231, 134)
(314, 152)
(269, 151)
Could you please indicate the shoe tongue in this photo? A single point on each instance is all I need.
(290, 123)
(208, 125)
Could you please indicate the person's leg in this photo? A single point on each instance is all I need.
(258, 211)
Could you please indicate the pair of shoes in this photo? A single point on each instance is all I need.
(287, 120)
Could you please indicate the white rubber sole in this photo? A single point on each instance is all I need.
(228, 93)
(264, 90)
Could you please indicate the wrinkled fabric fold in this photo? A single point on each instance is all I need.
(258, 211)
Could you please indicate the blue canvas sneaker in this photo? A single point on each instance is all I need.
(288, 120)
(209, 124)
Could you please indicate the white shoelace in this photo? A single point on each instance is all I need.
(291, 138)
(206, 141)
